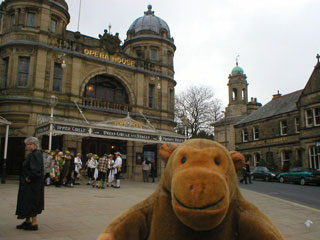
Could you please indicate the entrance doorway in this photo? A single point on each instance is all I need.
(150, 152)
(101, 146)
(16, 155)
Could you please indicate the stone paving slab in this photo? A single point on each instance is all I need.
(83, 212)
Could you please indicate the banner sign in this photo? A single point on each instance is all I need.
(42, 129)
(107, 133)
(67, 128)
(111, 133)
(172, 139)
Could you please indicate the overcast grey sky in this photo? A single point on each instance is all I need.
(277, 40)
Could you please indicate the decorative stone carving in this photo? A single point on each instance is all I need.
(110, 42)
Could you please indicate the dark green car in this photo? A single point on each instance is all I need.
(263, 173)
(300, 175)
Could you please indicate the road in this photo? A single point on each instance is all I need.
(305, 195)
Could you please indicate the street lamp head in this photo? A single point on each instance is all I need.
(158, 86)
(53, 100)
(63, 64)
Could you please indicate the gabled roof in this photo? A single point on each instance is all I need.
(312, 86)
(280, 105)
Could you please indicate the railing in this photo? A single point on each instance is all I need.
(102, 104)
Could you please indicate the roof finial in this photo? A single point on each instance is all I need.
(318, 57)
(237, 58)
(109, 27)
(149, 12)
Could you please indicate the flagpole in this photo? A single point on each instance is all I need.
(79, 16)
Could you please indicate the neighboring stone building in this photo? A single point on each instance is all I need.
(238, 108)
(286, 131)
(107, 97)
(283, 133)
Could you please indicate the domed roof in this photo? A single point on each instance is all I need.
(237, 70)
(149, 22)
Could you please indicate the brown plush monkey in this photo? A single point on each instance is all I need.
(197, 198)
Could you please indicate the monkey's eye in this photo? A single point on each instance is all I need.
(217, 161)
(183, 160)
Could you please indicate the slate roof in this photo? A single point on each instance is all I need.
(223, 121)
(281, 105)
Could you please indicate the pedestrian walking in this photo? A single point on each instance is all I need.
(30, 202)
(102, 168)
(110, 170)
(47, 163)
(117, 168)
(77, 168)
(153, 170)
(248, 175)
(146, 167)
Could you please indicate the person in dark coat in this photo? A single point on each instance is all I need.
(153, 170)
(248, 175)
(30, 200)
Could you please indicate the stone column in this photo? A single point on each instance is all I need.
(134, 171)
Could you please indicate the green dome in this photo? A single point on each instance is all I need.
(237, 70)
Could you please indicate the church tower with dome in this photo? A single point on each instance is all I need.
(238, 108)
(238, 92)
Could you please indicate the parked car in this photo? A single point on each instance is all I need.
(300, 175)
(264, 173)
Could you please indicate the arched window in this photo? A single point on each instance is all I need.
(243, 94)
(256, 159)
(234, 94)
(106, 88)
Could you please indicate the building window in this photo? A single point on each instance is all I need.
(297, 124)
(285, 160)
(107, 89)
(23, 71)
(12, 19)
(256, 159)
(53, 25)
(57, 78)
(151, 95)
(170, 58)
(139, 53)
(5, 72)
(243, 95)
(154, 54)
(314, 158)
(283, 127)
(234, 94)
(244, 135)
(255, 133)
(31, 19)
(309, 117)
(317, 116)
(171, 96)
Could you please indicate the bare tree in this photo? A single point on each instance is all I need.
(195, 110)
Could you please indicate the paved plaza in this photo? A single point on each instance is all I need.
(83, 212)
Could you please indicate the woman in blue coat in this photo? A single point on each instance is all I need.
(30, 201)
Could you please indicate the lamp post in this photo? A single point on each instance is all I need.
(185, 123)
(53, 102)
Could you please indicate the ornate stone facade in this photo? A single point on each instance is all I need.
(107, 80)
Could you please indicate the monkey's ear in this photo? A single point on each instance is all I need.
(166, 150)
(238, 160)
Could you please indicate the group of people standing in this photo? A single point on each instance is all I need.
(61, 168)
(100, 169)
(42, 168)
